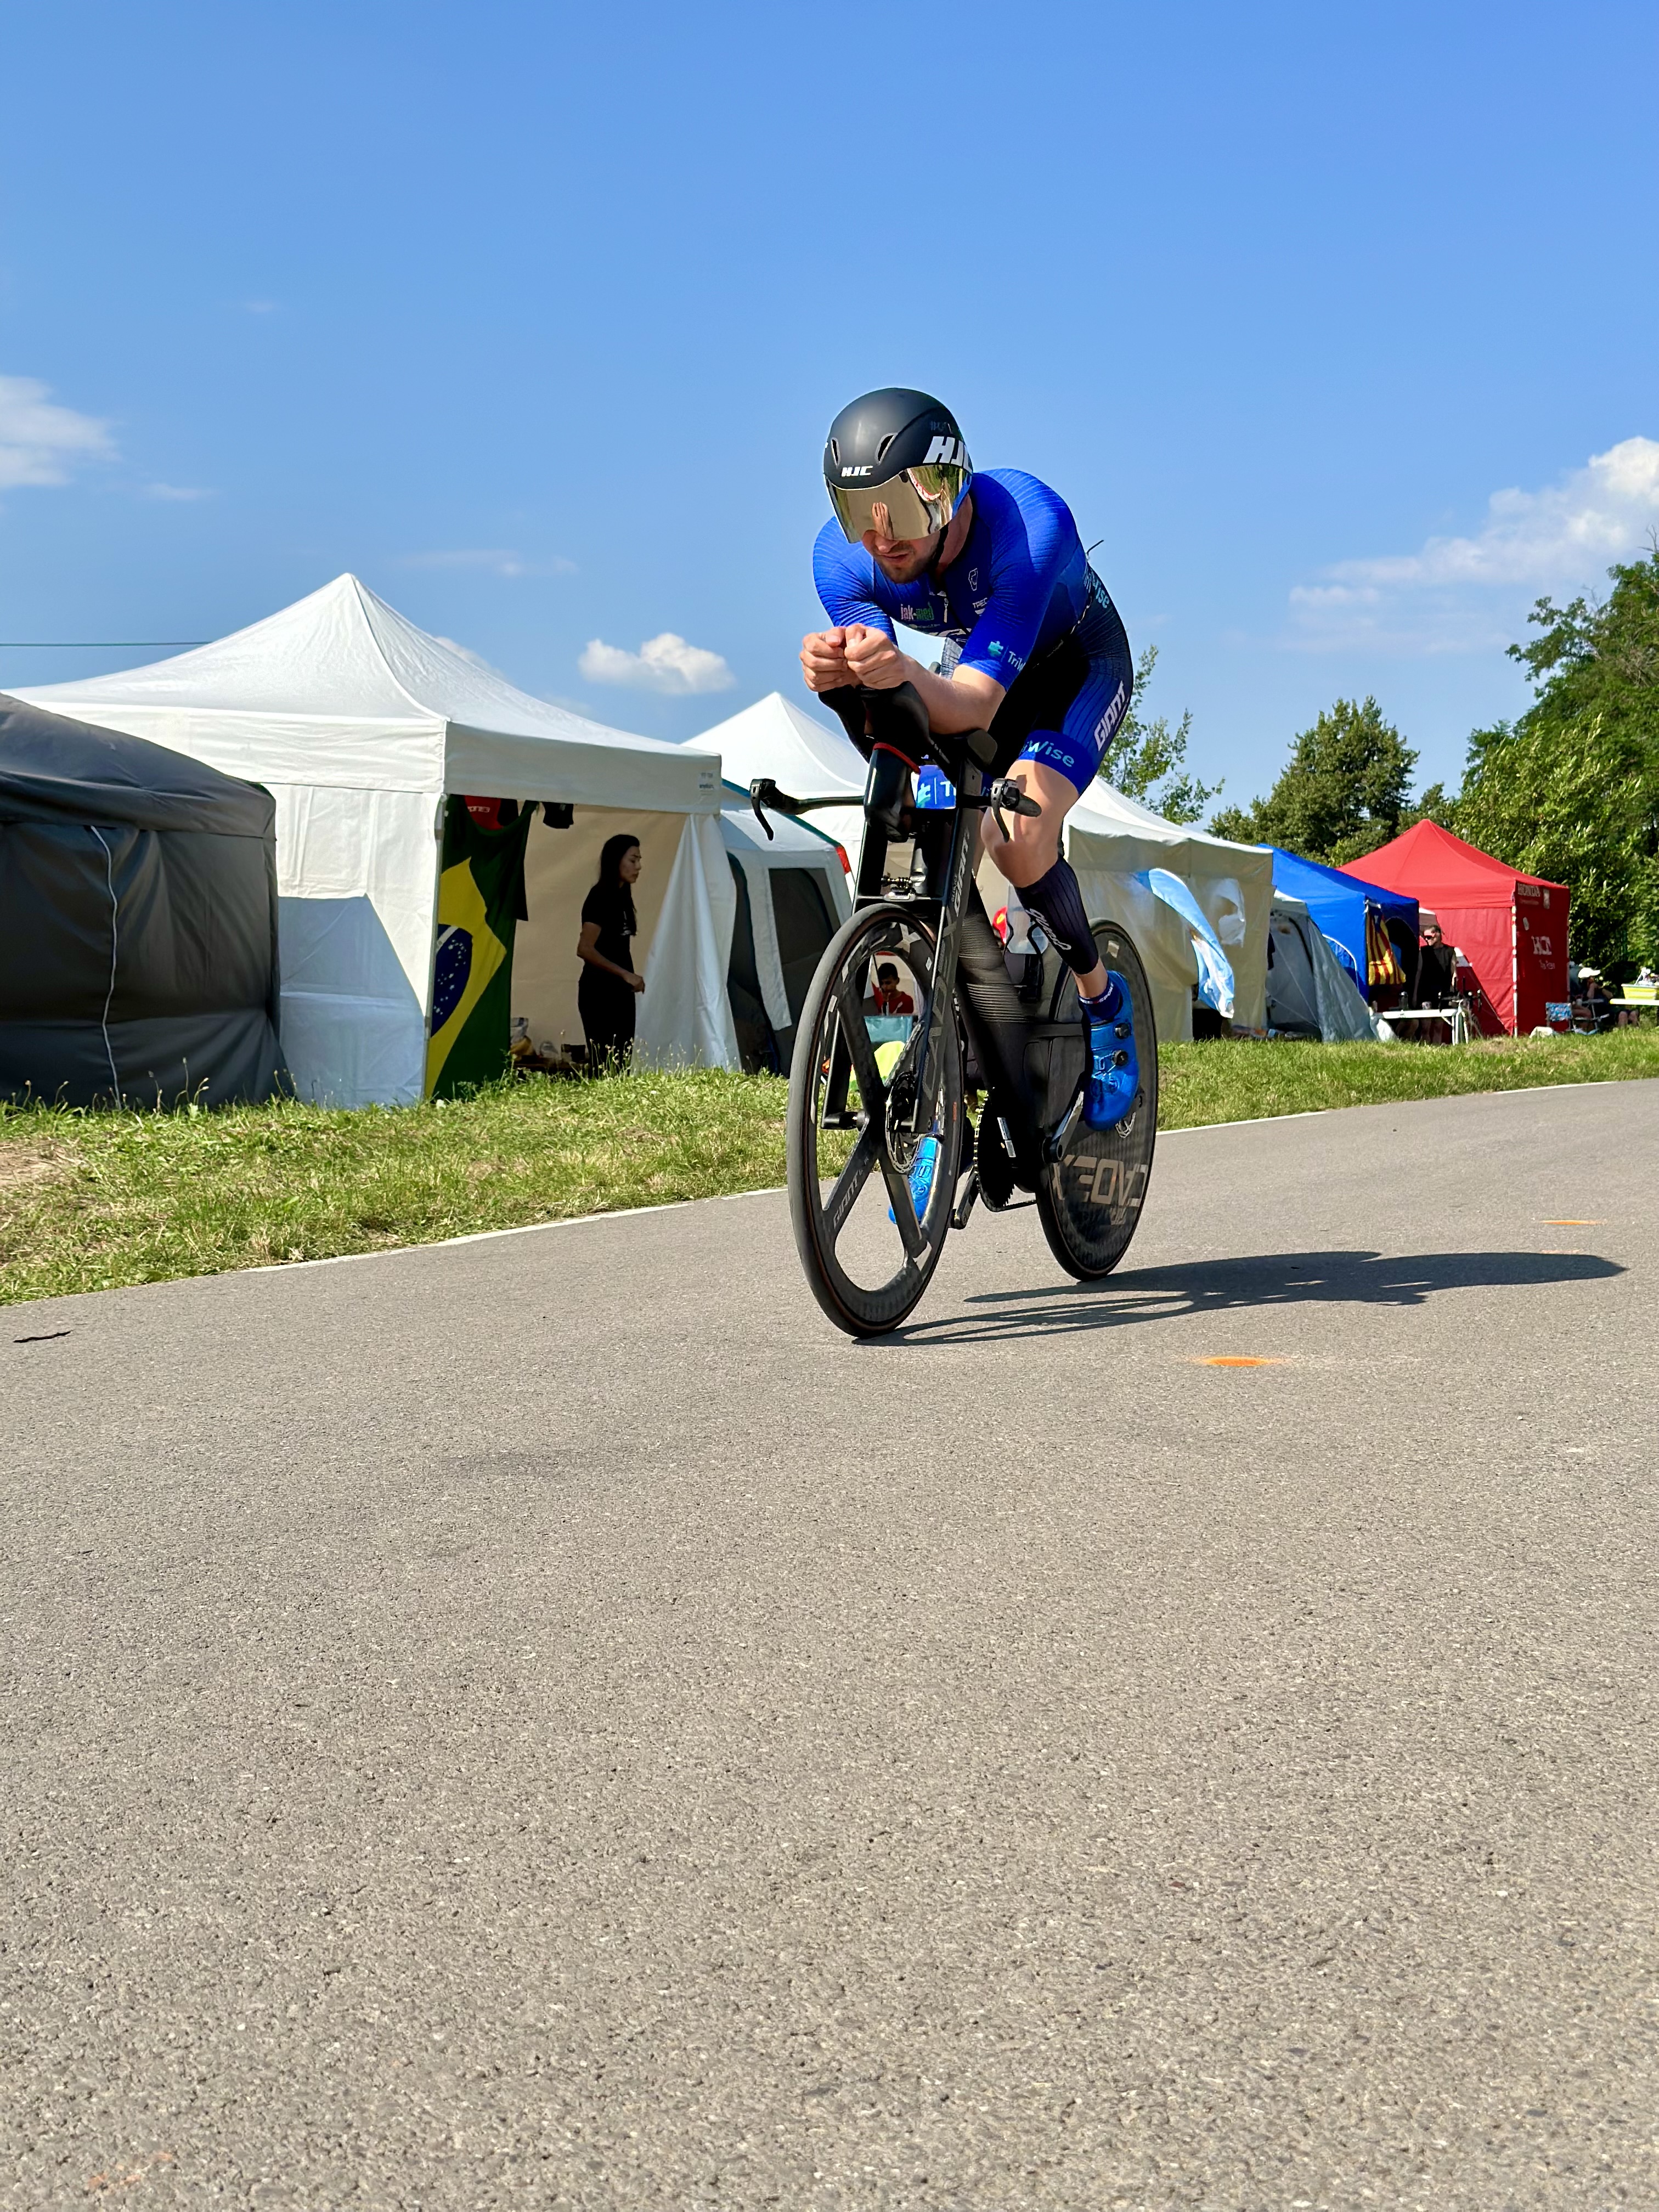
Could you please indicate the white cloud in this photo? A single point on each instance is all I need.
(498, 560)
(40, 441)
(665, 663)
(1448, 596)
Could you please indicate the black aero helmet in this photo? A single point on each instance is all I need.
(904, 449)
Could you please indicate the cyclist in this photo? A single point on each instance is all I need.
(990, 561)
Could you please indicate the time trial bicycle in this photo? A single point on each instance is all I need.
(915, 1015)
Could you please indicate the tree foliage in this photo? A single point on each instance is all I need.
(1341, 794)
(1569, 801)
(1571, 790)
(1147, 759)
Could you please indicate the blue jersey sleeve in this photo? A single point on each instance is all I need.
(1036, 542)
(845, 577)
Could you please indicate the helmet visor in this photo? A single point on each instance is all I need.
(915, 502)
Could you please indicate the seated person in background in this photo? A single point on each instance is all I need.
(1434, 967)
(1596, 1002)
(889, 1000)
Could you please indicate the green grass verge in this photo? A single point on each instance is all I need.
(1204, 1084)
(93, 1201)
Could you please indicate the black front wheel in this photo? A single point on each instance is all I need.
(872, 1182)
(1088, 1198)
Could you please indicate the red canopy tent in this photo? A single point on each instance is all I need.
(1511, 928)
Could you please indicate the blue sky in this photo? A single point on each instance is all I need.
(535, 318)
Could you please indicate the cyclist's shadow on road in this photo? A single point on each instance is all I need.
(1279, 1278)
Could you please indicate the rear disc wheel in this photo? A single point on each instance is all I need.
(1089, 1199)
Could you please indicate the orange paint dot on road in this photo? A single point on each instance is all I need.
(1230, 1359)
(1565, 1222)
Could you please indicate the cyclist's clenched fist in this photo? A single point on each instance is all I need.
(856, 654)
(823, 660)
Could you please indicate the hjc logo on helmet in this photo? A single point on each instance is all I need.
(863, 471)
(949, 453)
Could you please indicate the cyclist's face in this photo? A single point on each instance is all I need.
(901, 560)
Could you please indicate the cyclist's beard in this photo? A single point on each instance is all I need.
(907, 571)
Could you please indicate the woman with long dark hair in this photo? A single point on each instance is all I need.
(609, 985)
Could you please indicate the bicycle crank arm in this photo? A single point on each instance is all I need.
(1054, 1143)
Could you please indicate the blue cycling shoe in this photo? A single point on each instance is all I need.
(921, 1177)
(1114, 1063)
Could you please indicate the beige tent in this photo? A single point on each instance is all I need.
(1114, 842)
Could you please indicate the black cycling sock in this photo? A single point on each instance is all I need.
(1056, 900)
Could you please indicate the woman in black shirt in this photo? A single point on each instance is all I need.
(1436, 968)
(609, 985)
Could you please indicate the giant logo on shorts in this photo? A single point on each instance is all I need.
(1114, 714)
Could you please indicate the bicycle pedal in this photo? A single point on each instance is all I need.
(965, 1204)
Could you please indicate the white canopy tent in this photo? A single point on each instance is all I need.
(804, 756)
(1110, 841)
(359, 724)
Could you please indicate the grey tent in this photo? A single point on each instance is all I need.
(138, 919)
(1309, 992)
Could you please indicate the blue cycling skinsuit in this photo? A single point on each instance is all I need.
(1021, 603)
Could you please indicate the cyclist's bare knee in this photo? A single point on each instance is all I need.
(1030, 850)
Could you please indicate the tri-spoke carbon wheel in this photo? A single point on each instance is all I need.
(870, 1230)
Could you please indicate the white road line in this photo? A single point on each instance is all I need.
(775, 1190)
(484, 1235)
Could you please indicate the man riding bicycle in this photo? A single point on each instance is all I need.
(1035, 651)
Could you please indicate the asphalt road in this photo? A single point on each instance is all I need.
(545, 1721)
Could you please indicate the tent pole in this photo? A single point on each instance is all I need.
(432, 948)
(1515, 967)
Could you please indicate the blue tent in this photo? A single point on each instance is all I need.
(1338, 901)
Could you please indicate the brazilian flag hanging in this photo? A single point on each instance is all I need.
(480, 903)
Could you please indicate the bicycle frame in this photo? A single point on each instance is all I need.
(966, 948)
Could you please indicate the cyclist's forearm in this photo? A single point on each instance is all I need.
(955, 702)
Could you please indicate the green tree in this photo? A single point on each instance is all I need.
(1572, 801)
(1147, 759)
(1341, 794)
(1571, 791)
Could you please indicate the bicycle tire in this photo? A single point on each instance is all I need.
(821, 1222)
(1089, 1199)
